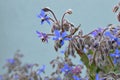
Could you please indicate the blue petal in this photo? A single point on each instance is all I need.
(62, 52)
(118, 43)
(67, 38)
(108, 33)
(65, 68)
(64, 34)
(42, 13)
(97, 76)
(117, 51)
(112, 55)
(55, 38)
(57, 33)
(11, 61)
(94, 33)
(41, 70)
(39, 34)
(48, 21)
(115, 61)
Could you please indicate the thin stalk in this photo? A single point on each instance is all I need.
(55, 17)
(62, 21)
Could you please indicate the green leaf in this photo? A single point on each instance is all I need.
(85, 59)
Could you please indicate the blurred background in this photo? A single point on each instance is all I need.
(19, 22)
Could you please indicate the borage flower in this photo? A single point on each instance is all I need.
(44, 37)
(66, 68)
(44, 17)
(60, 36)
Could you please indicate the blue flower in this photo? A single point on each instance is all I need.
(43, 36)
(11, 61)
(76, 78)
(44, 17)
(66, 68)
(60, 36)
(115, 55)
(41, 70)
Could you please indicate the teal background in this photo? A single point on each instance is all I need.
(18, 23)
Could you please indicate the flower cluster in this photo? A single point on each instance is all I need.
(99, 51)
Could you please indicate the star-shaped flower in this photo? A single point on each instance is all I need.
(66, 68)
(44, 17)
(60, 36)
(43, 36)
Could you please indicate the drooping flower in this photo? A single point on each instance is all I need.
(43, 36)
(60, 36)
(44, 17)
(41, 70)
(115, 55)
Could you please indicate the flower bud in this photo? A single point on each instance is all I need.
(118, 16)
(46, 9)
(115, 9)
(69, 11)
